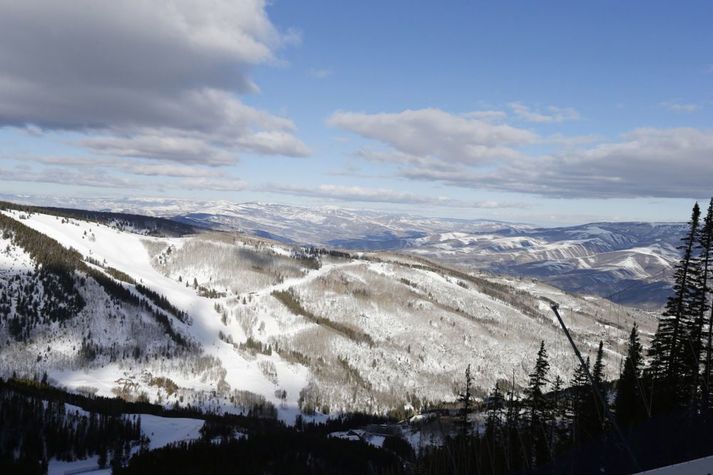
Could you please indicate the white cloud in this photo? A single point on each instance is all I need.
(175, 146)
(551, 114)
(380, 195)
(153, 79)
(435, 134)
(64, 176)
(487, 115)
(664, 163)
(433, 145)
(674, 106)
(210, 183)
(169, 169)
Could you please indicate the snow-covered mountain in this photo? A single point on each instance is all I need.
(106, 305)
(629, 263)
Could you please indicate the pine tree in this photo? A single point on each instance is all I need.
(591, 415)
(513, 446)
(492, 453)
(630, 398)
(581, 403)
(672, 351)
(558, 405)
(538, 409)
(705, 244)
(495, 405)
(466, 399)
(598, 369)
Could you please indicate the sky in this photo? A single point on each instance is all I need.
(552, 112)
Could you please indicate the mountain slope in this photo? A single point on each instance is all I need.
(629, 263)
(256, 324)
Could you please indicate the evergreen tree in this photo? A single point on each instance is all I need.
(582, 414)
(538, 409)
(705, 243)
(599, 421)
(672, 351)
(630, 398)
(513, 443)
(492, 451)
(466, 399)
(495, 405)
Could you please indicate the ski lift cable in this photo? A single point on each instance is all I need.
(597, 391)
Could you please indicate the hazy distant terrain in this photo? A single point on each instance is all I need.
(629, 263)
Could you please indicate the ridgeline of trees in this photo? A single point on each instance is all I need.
(122, 221)
(49, 297)
(284, 451)
(36, 425)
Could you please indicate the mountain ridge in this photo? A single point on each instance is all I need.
(286, 329)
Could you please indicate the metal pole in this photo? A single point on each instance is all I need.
(597, 391)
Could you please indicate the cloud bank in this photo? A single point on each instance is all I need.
(151, 80)
(465, 151)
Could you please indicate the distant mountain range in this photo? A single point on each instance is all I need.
(151, 309)
(629, 263)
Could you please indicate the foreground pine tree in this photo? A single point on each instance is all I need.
(466, 399)
(538, 410)
(630, 397)
(673, 350)
(705, 244)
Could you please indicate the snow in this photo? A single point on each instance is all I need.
(161, 431)
(126, 252)
(415, 328)
(85, 466)
(700, 466)
(355, 435)
(13, 259)
(168, 430)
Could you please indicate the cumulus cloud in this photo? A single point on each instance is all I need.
(551, 113)
(154, 79)
(646, 162)
(435, 134)
(432, 145)
(663, 163)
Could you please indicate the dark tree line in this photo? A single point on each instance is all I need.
(33, 430)
(122, 221)
(46, 295)
(285, 451)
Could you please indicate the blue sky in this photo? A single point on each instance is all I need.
(545, 112)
